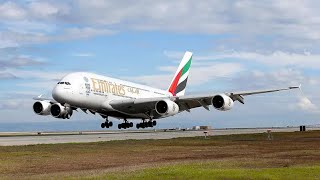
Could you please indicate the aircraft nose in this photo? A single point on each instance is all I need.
(58, 94)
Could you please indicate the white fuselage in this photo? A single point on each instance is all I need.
(95, 92)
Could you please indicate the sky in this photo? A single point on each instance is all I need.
(237, 45)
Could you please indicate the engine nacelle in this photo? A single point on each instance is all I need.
(166, 107)
(59, 111)
(42, 107)
(222, 102)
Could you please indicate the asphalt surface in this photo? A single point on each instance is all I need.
(30, 138)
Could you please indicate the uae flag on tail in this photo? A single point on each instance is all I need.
(179, 81)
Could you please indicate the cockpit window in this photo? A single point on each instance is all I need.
(67, 83)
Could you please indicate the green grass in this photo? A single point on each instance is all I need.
(213, 170)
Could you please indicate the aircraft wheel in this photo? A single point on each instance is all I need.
(119, 126)
(131, 124)
(142, 125)
(154, 123)
(150, 124)
(107, 125)
(103, 125)
(110, 123)
(138, 126)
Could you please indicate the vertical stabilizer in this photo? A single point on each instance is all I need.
(179, 81)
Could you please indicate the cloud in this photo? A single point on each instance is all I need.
(15, 38)
(11, 11)
(263, 25)
(8, 105)
(18, 95)
(276, 78)
(83, 54)
(16, 104)
(285, 18)
(306, 105)
(37, 74)
(20, 61)
(29, 26)
(199, 75)
(6, 75)
(276, 59)
(82, 33)
(43, 9)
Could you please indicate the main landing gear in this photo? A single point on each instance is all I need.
(125, 125)
(145, 124)
(106, 124)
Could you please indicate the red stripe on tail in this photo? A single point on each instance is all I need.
(175, 83)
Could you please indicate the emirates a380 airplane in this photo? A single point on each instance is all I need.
(125, 100)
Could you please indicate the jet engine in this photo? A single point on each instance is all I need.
(59, 111)
(222, 102)
(166, 107)
(42, 107)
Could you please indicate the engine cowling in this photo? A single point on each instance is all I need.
(222, 102)
(42, 107)
(59, 111)
(166, 107)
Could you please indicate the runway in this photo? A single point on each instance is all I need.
(31, 138)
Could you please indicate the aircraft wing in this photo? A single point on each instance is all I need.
(40, 98)
(147, 105)
(189, 102)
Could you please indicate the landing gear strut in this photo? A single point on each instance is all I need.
(106, 124)
(145, 124)
(125, 125)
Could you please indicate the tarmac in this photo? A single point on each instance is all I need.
(32, 138)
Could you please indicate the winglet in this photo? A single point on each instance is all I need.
(295, 87)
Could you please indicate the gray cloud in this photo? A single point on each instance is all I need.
(15, 104)
(263, 25)
(19, 62)
(277, 78)
(12, 38)
(6, 75)
(306, 105)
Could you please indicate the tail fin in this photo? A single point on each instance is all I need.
(179, 81)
